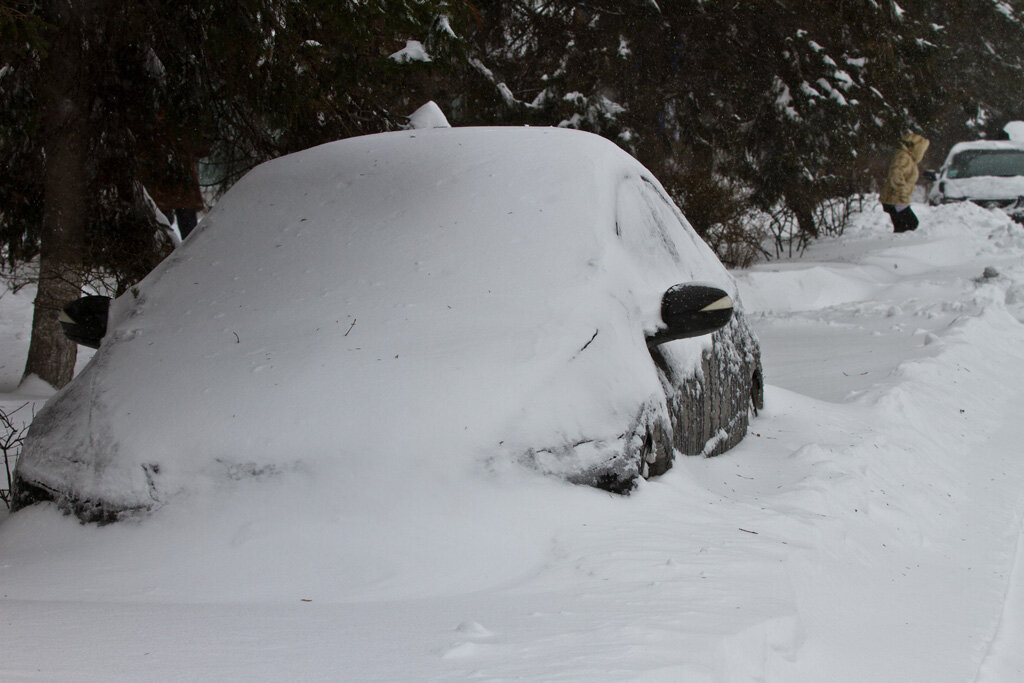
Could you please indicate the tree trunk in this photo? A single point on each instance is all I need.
(65, 102)
(804, 214)
(51, 356)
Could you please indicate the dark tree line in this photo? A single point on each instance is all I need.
(100, 99)
(762, 103)
(770, 104)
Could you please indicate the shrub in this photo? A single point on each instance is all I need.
(12, 433)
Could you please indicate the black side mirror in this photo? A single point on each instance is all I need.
(692, 310)
(931, 175)
(85, 320)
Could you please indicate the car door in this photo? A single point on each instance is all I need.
(710, 382)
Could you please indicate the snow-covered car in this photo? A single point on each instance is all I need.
(987, 172)
(400, 304)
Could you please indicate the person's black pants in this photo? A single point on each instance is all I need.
(902, 221)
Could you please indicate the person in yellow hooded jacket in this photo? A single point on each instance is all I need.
(899, 185)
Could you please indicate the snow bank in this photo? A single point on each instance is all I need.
(868, 528)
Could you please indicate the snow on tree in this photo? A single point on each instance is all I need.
(103, 103)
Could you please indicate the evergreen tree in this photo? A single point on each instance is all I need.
(975, 77)
(766, 103)
(100, 98)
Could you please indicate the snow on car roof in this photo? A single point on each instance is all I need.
(993, 145)
(399, 303)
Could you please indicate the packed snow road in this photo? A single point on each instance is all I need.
(869, 528)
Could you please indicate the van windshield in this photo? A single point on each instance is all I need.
(987, 162)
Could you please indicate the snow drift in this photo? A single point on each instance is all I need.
(399, 306)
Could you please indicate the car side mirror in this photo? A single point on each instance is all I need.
(931, 175)
(85, 320)
(691, 310)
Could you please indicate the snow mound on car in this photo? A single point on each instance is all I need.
(393, 306)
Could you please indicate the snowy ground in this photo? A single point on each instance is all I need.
(868, 529)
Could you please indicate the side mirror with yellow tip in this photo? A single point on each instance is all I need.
(84, 320)
(691, 310)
